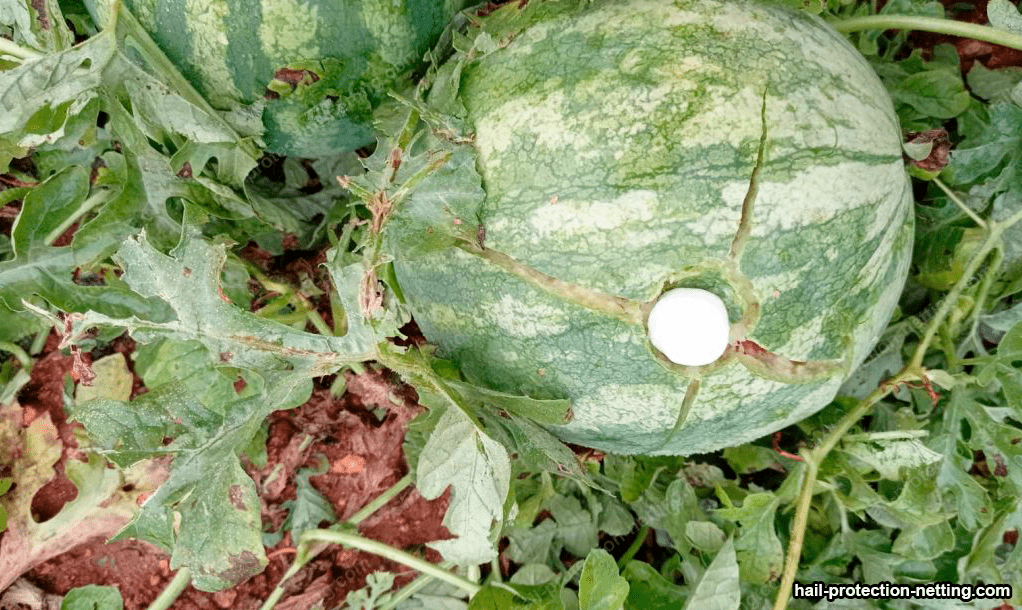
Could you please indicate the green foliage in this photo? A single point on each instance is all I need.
(924, 489)
(92, 597)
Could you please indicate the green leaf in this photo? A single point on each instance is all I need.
(460, 455)
(47, 209)
(533, 447)
(934, 93)
(924, 543)
(189, 282)
(576, 526)
(600, 587)
(746, 459)
(1003, 14)
(759, 550)
(92, 597)
(519, 597)
(648, 590)
(207, 514)
(635, 474)
(551, 411)
(309, 508)
(719, 587)
(112, 380)
(376, 591)
(532, 544)
(442, 210)
(998, 86)
(889, 457)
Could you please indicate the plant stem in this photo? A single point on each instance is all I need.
(812, 459)
(411, 589)
(380, 500)
(17, 51)
(634, 548)
(961, 204)
(929, 24)
(307, 552)
(92, 201)
(981, 297)
(173, 590)
(388, 552)
(993, 240)
(17, 352)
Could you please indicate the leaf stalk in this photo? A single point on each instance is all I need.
(936, 25)
(16, 51)
(388, 552)
(173, 590)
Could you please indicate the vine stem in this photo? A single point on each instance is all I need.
(388, 552)
(913, 371)
(172, 591)
(958, 202)
(307, 551)
(21, 355)
(17, 51)
(937, 25)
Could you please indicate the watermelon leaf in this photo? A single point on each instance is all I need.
(600, 587)
(758, 548)
(207, 514)
(188, 280)
(92, 597)
(718, 588)
(461, 456)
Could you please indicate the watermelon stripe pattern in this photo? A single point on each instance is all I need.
(616, 141)
(358, 49)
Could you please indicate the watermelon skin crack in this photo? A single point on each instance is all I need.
(619, 143)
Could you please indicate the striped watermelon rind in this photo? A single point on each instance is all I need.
(357, 50)
(626, 147)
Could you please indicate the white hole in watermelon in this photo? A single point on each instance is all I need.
(690, 326)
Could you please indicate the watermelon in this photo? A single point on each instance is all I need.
(629, 148)
(326, 63)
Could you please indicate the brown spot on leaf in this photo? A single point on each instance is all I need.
(188, 272)
(395, 159)
(939, 153)
(1000, 468)
(81, 369)
(296, 77)
(237, 496)
(97, 164)
(185, 171)
(42, 15)
(243, 566)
